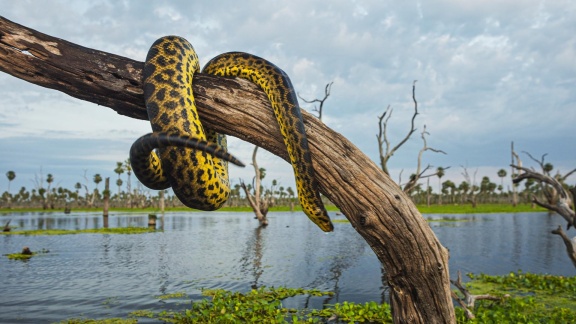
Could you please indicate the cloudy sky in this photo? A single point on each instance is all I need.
(489, 72)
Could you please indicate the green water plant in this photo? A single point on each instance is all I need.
(264, 305)
(100, 321)
(179, 294)
(26, 254)
(119, 230)
(525, 298)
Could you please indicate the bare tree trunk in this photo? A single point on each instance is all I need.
(416, 263)
(514, 191)
(570, 245)
(258, 203)
(563, 205)
(161, 202)
(106, 196)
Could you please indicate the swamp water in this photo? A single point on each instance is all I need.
(110, 275)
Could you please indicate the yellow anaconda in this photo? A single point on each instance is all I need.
(192, 159)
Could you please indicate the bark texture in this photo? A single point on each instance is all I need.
(416, 263)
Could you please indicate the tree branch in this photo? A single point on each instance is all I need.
(416, 263)
(419, 175)
(258, 203)
(321, 101)
(382, 134)
(562, 206)
(468, 301)
(570, 244)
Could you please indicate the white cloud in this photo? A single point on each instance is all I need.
(488, 71)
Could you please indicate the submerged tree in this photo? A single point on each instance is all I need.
(258, 202)
(386, 150)
(563, 197)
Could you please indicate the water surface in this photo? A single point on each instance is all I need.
(104, 275)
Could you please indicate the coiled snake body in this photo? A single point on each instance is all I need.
(192, 159)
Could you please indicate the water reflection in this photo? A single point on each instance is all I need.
(251, 261)
(500, 243)
(97, 275)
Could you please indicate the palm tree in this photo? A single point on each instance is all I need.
(77, 186)
(547, 168)
(49, 179)
(290, 192)
(449, 185)
(262, 173)
(119, 183)
(464, 187)
(440, 174)
(128, 168)
(119, 170)
(11, 175)
(502, 173)
(97, 179)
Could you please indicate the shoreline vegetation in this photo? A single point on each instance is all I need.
(518, 298)
(432, 209)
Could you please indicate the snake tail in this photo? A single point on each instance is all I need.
(146, 163)
(278, 87)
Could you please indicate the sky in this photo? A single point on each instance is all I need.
(488, 73)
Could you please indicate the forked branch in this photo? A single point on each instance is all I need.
(320, 101)
(382, 137)
(468, 300)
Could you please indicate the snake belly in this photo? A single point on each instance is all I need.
(282, 96)
(198, 178)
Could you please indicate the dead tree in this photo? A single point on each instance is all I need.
(569, 243)
(472, 182)
(420, 174)
(416, 263)
(7, 227)
(320, 101)
(518, 162)
(549, 191)
(563, 206)
(386, 151)
(467, 300)
(258, 203)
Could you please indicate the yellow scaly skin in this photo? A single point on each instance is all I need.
(199, 180)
